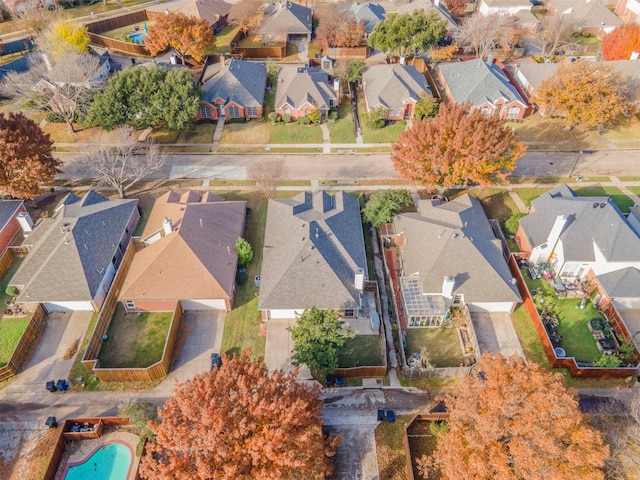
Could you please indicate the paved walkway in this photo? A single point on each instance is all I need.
(217, 134)
(326, 138)
(624, 187)
(518, 201)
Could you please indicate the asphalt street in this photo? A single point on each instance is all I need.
(371, 166)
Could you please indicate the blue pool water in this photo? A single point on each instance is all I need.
(111, 462)
(137, 37)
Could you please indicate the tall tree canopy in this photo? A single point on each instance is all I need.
(588, 94)
(63, 37)
(457, 7)
(146, 97)
(480, 34)
(186, 35)
(384, 204)
(240, 422)
(622, 42)
(556, 33)
(246, 14)
(317, 336)
(515, 421)
(63, 90)
(458, 146)
(34, 17)
(338, 28)
(408, 33)
(25, 156)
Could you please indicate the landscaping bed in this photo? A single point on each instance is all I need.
(135, 340)
(362, 350)
(442, 344)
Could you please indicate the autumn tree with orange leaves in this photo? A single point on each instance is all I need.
(26, 161)
(240, 422)
(459, 146)
(338, 28)
(622, 42)
(187, 36)
(515, 421)
(588, 94)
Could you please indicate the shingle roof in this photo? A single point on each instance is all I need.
(8, 209)
(477, 82)
(287, 18)
(534, 73)
(197, 260)
(604, 225)
(426, 6)
(72, 257)
(392, 85)
(586, 13)
(507, 3)
(455, 239)
(300, 85)
(623, 283)
(238, 81)
(209, 10)
(369, 13)
(313, 247)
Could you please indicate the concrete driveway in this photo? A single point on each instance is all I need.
(279, 346)
(496, 334)
(60, 330)
(201, 336)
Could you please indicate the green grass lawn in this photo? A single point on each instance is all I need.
(78, 370)
(136, 340)
(529, 194)
(363, 349)
(497, 202)
(442, 343)
(615, 193)
(529, 339)
(388, 134)
(224, 37)
(4, 282)
(343, 131)
(199, 132)
(11, 329)
(294, 133)
(390, 448)
(577, 339)
(242, 324)
(635, 190)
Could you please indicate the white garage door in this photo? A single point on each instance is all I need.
(68, 306)
(492, 307)
(211, 304)
(284, 313)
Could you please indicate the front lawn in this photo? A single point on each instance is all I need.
(135, 340)
(198, 132)
(11, 329)
(529, 194)
(294, 133)
(252, 132)
(387, 134)
(620, 199)
(362, 350)
(497, 202)
(343, 131)
(442, 344)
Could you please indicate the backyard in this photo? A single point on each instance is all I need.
(443, 344)
(362, 350)
(135, 340)
(11, 329)
(421, 442)
(390, 449)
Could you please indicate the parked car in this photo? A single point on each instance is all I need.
(216, 360)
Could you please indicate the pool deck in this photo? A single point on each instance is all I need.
(88, 447)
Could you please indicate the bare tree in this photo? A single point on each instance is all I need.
(556, 33)
(246, 14)
(267, 174)
(482, 34)
(120, 161)
(33, 16)
(63, 89)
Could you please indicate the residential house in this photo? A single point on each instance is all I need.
(288, 21)
(303, 89)
(237, 91)
(314, 255)
(450, 256)
(589, 16)
(431, 5)
(215, 12)
(370, 14)
(74, 255)
(395, 88)
(584, 237)
(486, 85)
(628, 10)
(503, 7)
(186, 253)
(13, 216)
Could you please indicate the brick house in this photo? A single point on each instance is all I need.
(9, 225)
(301, 90)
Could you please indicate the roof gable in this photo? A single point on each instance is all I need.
(239, 81)
(392, 85)
(300, 85)
(286, 17)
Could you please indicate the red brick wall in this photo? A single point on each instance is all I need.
(523, 242)
(8, 232)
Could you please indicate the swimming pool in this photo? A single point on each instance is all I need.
(109, 462)
(137, 37)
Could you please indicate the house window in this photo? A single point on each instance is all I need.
(287, 111)
(332, 102)
(205, 112)
(252, 111)
(513, 112)
(396, 113)
(350, 312)
(233, 112)
(130, 304)
(486, 111)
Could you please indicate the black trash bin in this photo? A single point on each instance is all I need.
(51, 386)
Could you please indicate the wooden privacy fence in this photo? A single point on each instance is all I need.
(24, 345)
(348, 52)
(56, 458)
(5, 261)
(157, 371)
(97, 27)
(355, 372)
(260, 52)
(569, 362)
